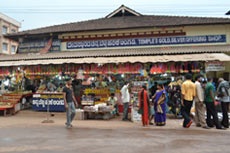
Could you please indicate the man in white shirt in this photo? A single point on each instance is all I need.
(125, 97)
(199, 105)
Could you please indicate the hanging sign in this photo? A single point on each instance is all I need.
(214, 66)
(146, 41)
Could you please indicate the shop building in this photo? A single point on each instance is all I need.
(124, 42)
(7, 26)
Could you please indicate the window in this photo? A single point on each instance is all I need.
(13, 30)
(13, 49)
(5, 47)
(4, 30)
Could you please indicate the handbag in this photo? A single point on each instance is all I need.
(140, 111)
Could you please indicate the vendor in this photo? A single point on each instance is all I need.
(60, 89)
(114, 102)
(51, 87)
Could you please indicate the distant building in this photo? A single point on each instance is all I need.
(122, 37)
(7, 26)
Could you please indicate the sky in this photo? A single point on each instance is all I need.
(40, 13)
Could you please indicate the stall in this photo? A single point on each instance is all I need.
(10, 103)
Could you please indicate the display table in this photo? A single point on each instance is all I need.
(101, 112)
(56, 102)
(10, 102)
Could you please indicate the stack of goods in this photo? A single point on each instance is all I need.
(101, 95)
(90, 109)
(105, 109)
(41, 89)
(87, 100)
(9, 100)
(172, 67)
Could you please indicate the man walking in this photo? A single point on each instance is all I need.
(223, 94)
(125, 97)
(70, 102)
(209, 101)
(188, 93)
(199, 105)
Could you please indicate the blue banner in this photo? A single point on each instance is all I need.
(146, 41)
(56, 102)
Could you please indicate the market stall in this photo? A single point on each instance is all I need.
(99, 81)
(10, 103)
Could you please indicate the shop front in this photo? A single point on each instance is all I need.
(101, 54)
(99, 77)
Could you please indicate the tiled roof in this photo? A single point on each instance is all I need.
(126, 22)
(118, 52)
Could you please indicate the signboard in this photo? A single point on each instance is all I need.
(36, 46)
(56, 102)
(214, 66)
(146, 41)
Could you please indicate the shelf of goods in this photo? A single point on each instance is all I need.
(10, 102)
(99, 96)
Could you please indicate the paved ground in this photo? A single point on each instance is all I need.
(26, 134)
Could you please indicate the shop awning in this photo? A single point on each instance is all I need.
(96, 53)
(131, 59)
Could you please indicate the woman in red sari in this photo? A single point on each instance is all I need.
(144, 106)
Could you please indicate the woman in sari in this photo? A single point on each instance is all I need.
(160, 105)
(144, 106)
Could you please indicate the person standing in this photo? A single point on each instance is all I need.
(125, 97)
(160, 105)
(144, 106)
(77, 88)
(223, 94)
(199, 105)
(153, 90)
(209, 101)
(188, 93)
(70, 102)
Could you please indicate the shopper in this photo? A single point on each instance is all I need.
(70, 102)
(144, 106)
(209, 101)
(224, 95)
(153, 90)
(188, 93)
(125, 97)
(199, 105)
(160, 105)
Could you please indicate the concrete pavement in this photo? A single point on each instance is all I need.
(26, 134)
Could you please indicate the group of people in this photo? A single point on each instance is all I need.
(158, 101)
(204, 95)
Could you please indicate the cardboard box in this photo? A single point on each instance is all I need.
(79, 115)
